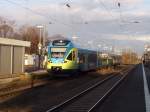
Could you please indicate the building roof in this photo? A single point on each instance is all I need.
(6, 41)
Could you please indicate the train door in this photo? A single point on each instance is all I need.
(92, 60)
(72, 59)
(99, 60)
(83, 65)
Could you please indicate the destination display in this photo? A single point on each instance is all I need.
(58, 49)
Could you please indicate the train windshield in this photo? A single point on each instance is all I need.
(58, 52)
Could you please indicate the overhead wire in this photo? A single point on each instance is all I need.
(53, 19)
(37, 13)
(122, 21)
(108, 11)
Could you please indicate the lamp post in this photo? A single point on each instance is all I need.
(40, 27)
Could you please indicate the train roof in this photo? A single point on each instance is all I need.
(86, 50)
(61, 43)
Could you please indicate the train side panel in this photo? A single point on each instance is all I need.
(87, 60)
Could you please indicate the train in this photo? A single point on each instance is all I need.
(65, 57)
(146, 56)
(146, 59)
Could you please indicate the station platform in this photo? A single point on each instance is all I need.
(132, 95)
(7, 80)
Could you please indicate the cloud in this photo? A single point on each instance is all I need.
(86, 10)
(144, 38)
(83, 10)
(129, 2)
(77, 11)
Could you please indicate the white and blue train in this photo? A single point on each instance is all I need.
(64, 57)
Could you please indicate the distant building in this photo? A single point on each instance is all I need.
(12, 56)
(147, 48)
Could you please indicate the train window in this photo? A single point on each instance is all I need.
(69, 56)
(72, 56)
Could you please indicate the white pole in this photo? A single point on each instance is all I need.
(40, 36)
(44, 35)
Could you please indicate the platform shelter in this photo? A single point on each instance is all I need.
(12, 56)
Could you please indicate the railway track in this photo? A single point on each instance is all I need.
(14, 90)
(87, 100)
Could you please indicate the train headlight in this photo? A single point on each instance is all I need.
(49, 61)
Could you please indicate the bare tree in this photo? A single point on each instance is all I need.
(30, 33)
(6, 30)
(129, 57)
(6, 27)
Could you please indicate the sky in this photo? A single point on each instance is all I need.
(97, 23)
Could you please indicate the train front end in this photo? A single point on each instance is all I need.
(62, 57)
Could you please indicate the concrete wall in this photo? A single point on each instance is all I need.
(18, 59)
(12, 56)
(5, 59)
